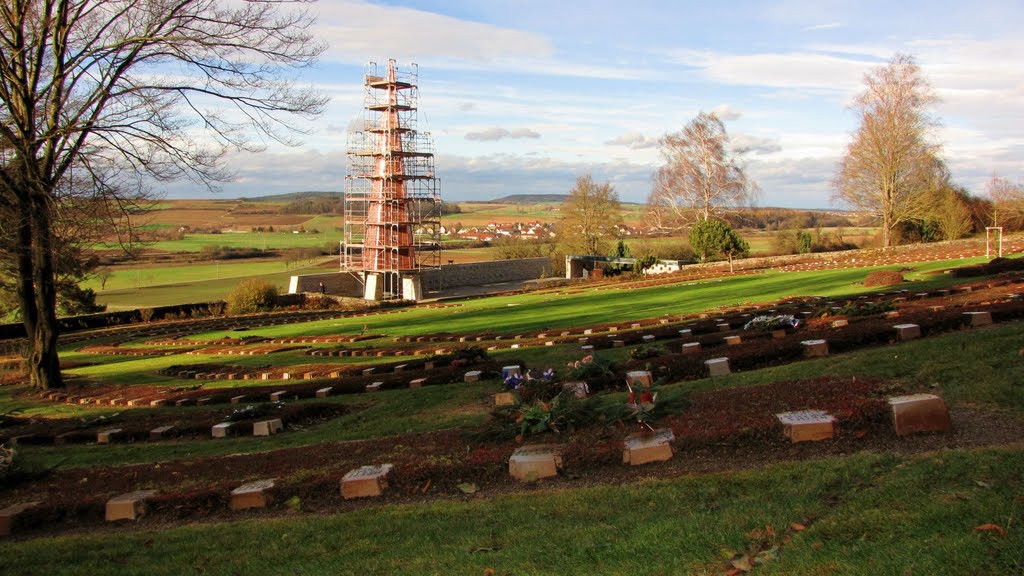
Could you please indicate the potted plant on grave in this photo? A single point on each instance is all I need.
(643, 399)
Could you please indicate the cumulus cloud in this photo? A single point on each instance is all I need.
(726, 112)
(494, 133)
(745, 143)
(633, 140)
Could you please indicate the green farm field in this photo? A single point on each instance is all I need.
(142, 286)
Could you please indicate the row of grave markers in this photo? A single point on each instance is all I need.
(911, 414)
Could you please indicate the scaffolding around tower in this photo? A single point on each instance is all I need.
(392, 197)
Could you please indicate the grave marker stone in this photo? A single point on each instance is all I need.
(807, 425)
(641, 377)
(417, 383)
(221, 430)
(718, 366)
(815, 348)
(251, 495)
(365, 482)
(840, 323)
(645, 447)
(919, 413)
(107, 436)
(906, 332)
(531, 463)
(691, 348)
(237, 399)
(733, 340)
(267, 427)
(375, 387)
(324, 392)
(472, 376)
(978, 318)
(129, 506)
(504, 399)
(159, 432)
(511, 371)
(9, 516)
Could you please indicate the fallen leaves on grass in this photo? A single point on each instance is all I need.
(996, 528)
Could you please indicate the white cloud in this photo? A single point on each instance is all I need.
(633, 140)
(778, 70)
(745, 143)
(726, 112)
(494, 133)
(359, 31)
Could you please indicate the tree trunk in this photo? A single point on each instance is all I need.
(886, 231)
(44, 363)
(25, 289)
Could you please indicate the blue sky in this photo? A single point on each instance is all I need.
(522, 97)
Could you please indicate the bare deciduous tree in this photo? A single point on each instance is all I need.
(125, 90)
(590, 218)
(1007, 202)
(889, 164)
(702, 177)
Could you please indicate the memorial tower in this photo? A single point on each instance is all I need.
(392, 199)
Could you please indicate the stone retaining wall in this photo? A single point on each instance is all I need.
(335, 283)
(447, 276)
(482, 273)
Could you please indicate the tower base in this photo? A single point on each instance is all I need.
(373, 286)
(412, 288)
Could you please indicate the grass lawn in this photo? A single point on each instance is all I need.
(551, 310)
(866, 514)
